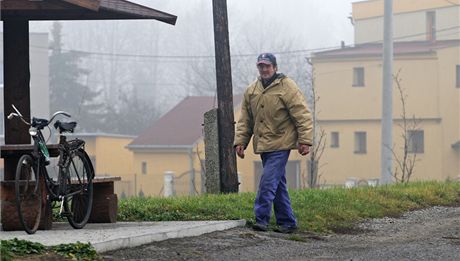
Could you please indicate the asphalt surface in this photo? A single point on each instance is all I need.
(106, 237)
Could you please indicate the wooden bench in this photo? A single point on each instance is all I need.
(105, 201)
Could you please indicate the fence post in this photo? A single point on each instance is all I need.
(211, 143)
(169, 184)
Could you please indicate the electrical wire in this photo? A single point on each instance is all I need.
(205, 57)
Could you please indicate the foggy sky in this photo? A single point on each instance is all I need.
(310, 23)
(290, 26)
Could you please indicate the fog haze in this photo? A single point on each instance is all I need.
(158, 64)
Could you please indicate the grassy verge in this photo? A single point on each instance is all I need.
(316, 210)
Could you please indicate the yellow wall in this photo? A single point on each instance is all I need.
(374, 8)
(410, 20)
(429, 83)
(112, 158)
(161, 161)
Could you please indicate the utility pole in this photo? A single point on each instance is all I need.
(387, 96)
(225, 118)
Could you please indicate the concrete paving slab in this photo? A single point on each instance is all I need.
(106, 237)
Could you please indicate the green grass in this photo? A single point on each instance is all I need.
(316, 210)
(16, 248)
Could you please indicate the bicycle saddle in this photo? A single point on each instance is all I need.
(65, 126)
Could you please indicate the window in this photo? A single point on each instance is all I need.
(144, 168)
(334, 139)
(431, 26)
(457, 75)
(358, 76)
(415, 141)
(360, 142)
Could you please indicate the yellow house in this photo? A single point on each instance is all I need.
(174, 145)
(110, 157)
(349, 83)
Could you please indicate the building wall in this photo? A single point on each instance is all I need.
(375, 8)
(449, 96)
(110, 157)
(428, 82)
(160, 161)
(410, 20)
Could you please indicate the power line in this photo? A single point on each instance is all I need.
(204, 57)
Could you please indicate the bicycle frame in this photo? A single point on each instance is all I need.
(73, 186)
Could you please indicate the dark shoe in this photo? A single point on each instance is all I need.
(260, 227)
(285, 230)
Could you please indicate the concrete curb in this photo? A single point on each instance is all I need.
(190, 230)
(107, 237)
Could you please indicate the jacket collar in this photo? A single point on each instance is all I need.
(273, 84)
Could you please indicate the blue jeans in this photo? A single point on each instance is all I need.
(273, 190)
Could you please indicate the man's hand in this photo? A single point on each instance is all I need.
(240, 151)
(303, 149)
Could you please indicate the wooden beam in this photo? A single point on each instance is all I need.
(88, 4)
(27, 5)
(16, 85)
(225, 120)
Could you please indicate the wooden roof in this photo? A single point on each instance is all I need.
(80, 10)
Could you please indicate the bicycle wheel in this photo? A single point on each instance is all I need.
(29, 195)
(78, 198)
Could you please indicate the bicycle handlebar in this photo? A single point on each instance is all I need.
(59, 113)
(18, 114)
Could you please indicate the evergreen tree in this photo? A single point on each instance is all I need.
(67, 90)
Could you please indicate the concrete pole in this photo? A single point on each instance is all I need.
(387, 96)
(168, 189)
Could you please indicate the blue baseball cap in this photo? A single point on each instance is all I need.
(266, 58)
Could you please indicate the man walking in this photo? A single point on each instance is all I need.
(274, 112)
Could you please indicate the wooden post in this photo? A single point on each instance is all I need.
(227, 157)
(16, 85)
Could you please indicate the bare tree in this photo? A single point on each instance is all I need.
(405, 163)
(319, 138)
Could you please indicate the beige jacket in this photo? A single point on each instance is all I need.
(277, 117)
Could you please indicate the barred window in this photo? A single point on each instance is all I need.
(334, 139)
(416, 142)
(358, 76)
(144, 168)
(360, 142)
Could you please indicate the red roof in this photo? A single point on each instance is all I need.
(181, 126)
(375, 49)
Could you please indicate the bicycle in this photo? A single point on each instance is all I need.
(73, 186)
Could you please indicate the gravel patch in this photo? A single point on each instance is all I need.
(428, 234)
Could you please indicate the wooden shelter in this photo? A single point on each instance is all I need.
(16, 15)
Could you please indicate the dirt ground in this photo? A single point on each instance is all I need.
(429, 234)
